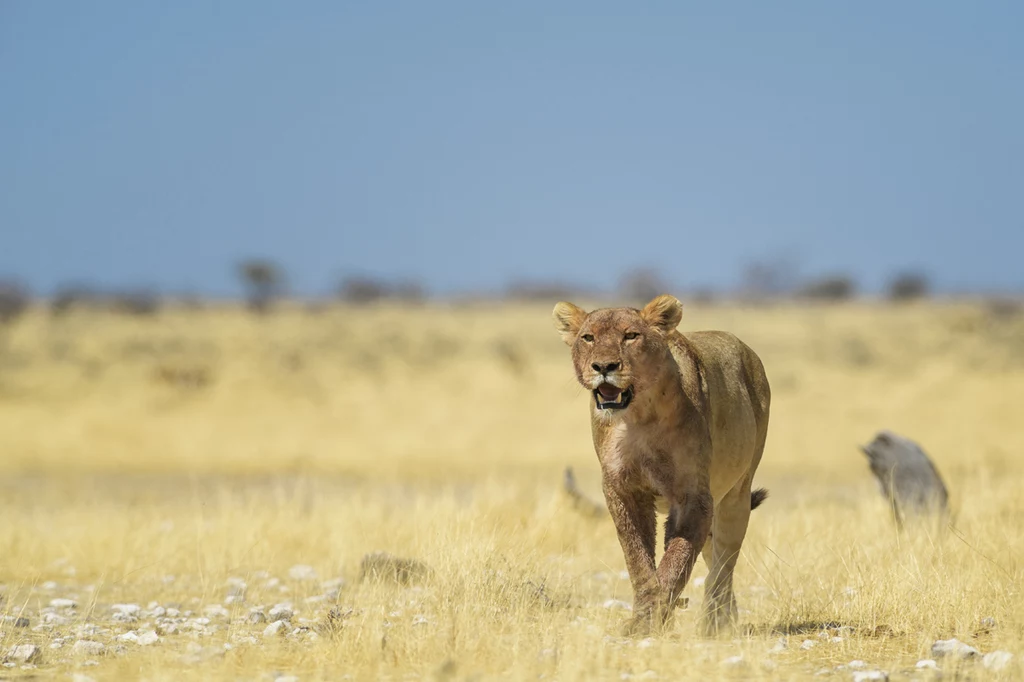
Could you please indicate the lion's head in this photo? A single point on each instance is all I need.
(618, 352)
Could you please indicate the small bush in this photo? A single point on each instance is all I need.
(139, 303)
(14, 300)
(263, 281)
(908, 286)
(640, 286)
(831, 288)
(364, 290)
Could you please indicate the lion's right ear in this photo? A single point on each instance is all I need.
(568, 320)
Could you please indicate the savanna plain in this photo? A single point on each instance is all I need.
(200, 494)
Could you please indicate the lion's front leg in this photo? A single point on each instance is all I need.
(634, 517)
(686, 531)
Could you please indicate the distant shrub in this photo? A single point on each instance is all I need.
(830, 288)
(138, 303)
(263, 281)
(71, 296)
(14, 300)
(640, 286)
(364, 290)
(768, 278)
(908, 286)
(541, 291)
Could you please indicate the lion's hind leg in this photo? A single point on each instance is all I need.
(729, 527)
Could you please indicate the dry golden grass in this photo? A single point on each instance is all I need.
(152, 460)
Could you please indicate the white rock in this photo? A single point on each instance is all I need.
(953, 648)
(167, 628)
(281, 612)
(988, 622)
(129, 636)
(149, 637)
(24, 654)
(781, 645)
(927, 664)
(49, 586)
(54, 619)
(63, 603)
(617, 604)
(645, 643)
(302, 572)
(334, 584)
(256, 617)
(216, 611)
(88, 647)
(856, 665)
(420, 620)
(735, 662)
(274, 629)
(808, 644)
(870, 676)
(127, 609)
(997, 660)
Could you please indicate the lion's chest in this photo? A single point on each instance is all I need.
(636, 460)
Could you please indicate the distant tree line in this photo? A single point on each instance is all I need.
(265, 283)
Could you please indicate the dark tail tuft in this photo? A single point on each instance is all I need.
(757, 497)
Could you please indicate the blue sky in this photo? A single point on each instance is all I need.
(467, 144)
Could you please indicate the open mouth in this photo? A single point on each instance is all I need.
(609, 397)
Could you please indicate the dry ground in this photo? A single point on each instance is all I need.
(192, 463)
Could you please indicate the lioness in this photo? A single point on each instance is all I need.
(679, 423)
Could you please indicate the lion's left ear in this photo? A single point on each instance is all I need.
(664, 312)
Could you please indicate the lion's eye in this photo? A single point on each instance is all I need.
(631, 335)
(589, 338)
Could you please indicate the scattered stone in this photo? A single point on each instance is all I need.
(988, 623)
(645, 643)
(126, 613)
(149, 637)
(735, 662)
(302, 572)
(49, 586)
(870, 676)
(281, 612)
(927, 664)
(334, 584)
(997, 660)
(16, 621)
(781, 645)
(275, 629)
(856, 665)
(217, 611)
(24, 654)
(54, 619)
(256, 617)
(383, 566)
(167, 628)
(808, 644)
(420, 620)
(129, 636)
(88, 647)
(63, 603)
(618, 604)
(953, 648)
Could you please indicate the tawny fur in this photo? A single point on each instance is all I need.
(687, 444)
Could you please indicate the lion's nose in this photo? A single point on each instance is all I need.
(606, 368)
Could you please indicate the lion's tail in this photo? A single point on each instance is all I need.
(757, 497)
